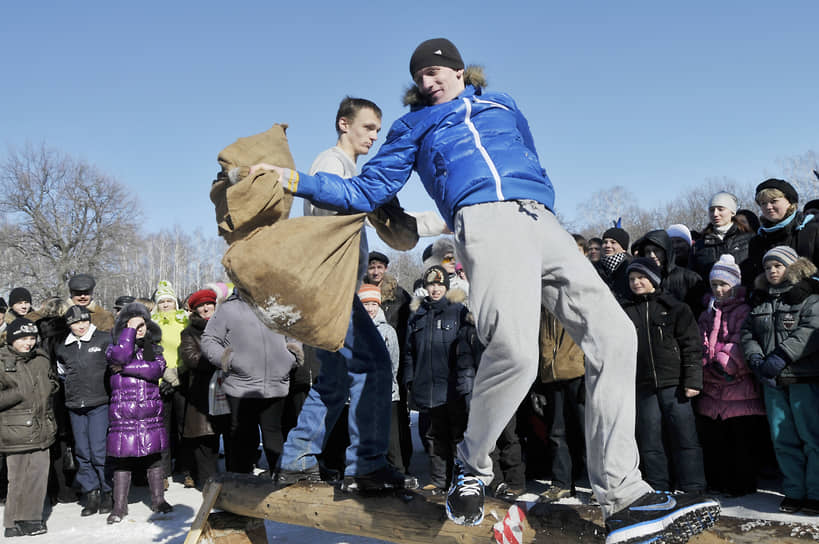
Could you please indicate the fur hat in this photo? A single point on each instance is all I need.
(76, 314)
(784, 254)
(442, 246)
(81, 283)
(727, 270)
(726, 200)
(619, 235)
(19, 294)
(678, 230)
(203, 296)
(20, 328)
(369, 293)
(435, 52)
(647, 267)
(436, 274)
(782, 185)
(122, 301)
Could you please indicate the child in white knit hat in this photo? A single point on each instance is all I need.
(729, 409)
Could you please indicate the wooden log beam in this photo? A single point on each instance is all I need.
(412, 518)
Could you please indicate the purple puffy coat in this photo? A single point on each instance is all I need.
(135, 427)
(728, 387)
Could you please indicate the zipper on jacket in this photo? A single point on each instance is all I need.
(651, 349)
(482, 149)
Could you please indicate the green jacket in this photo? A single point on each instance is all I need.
(27, 383)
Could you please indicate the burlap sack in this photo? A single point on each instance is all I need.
(254, 201)
(394, 226)
(300, 275)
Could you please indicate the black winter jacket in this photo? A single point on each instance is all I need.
(430, 356)
(709, 248)
(669, 348)
(86, 369)
(801, 233)
(617, 280)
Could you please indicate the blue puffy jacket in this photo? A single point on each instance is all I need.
(474, 149)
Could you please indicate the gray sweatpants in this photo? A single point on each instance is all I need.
(28, 479)
(511, 251)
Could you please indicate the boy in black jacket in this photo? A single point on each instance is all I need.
(669, 375)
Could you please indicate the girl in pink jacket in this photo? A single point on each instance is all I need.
(730, 408)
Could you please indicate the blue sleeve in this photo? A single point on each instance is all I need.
(379, 181)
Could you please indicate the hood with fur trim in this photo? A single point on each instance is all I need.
(441, 246)
(473, 75)
(801, 269)
(389, 287)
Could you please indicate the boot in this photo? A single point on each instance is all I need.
(106, 502)
(122, 484)
(155, 483)
(92, 503)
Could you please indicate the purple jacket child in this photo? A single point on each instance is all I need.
(729, 389)
(136, 428)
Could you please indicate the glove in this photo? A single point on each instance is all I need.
(227, 355)
(755, 361)
(538, 402)
(165, 388)
(772, 366)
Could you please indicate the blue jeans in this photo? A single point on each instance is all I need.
(362, 372)
(666, 414)
(792, 412)
(90, 427)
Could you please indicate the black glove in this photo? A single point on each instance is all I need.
(165, 388)
(538, 402)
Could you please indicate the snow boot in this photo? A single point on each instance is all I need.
(155, 483)
(122, 484)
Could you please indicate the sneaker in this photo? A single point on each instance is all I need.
(662, 517)
(464, 501)
(554, 493)
(290, 477)
(13, 531)
(790, 506)
(32, 528)
(505, 493)
(386, 477)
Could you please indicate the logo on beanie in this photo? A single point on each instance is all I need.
(438, 52)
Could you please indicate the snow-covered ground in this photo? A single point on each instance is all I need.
(65, 526)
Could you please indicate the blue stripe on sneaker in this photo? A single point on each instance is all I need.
(670, 502)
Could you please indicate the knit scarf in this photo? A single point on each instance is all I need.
(611, 262)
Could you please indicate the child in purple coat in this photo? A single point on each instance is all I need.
(136, 435)
(730, 409)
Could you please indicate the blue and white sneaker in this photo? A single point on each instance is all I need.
(662, 518)
(464, 500)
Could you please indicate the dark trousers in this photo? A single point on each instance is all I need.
(90, 427)
(564, 416)
(507, 459)
(247, 415)
(447, 424)
(205, 453)
(728, 447)
(395, 451)
(333, 456)
(667, 412)
(28, 479)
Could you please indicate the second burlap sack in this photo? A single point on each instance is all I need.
(300, 276)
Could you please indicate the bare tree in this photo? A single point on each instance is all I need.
(798, 171)
(64, 216)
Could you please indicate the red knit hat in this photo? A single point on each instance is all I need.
(369, 293)
(203, 296)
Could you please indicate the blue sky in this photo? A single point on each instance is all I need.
(654, 96)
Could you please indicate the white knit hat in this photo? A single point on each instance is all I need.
(678, 230)
(726, 200)
(727, 270)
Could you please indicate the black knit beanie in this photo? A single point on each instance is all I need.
(20, 328)
(786, 188)
(436, 52)
(647, 267)
(19, 294)
(619, 235)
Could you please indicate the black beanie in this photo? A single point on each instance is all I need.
(786, 188)
(437, 274)
(19, 294)
(619, 235)
(436, 52)
(20, 328)
(647, 266)
(3, 305)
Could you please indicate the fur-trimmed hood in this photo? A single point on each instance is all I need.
(473, 75)
(389, 287)
(134, 309)
(452, 295)
(802, 269)
(441, 246)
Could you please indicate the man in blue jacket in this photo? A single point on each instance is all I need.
(476, 157)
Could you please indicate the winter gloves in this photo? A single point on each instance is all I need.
(766, 369)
